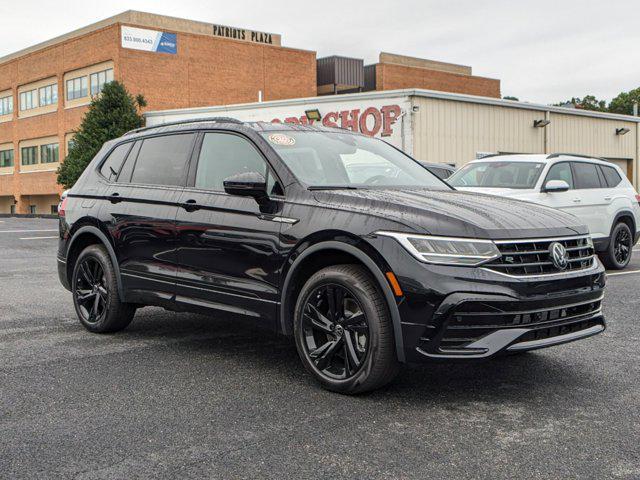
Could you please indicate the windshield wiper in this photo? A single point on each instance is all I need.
(331, 187)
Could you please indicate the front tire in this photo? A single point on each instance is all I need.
(95, 293)
(618, 254)
(343, 330)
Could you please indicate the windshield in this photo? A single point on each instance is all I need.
(497, 175)
(327, 159)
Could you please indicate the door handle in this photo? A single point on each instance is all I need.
(576, 200)
(607, 199)
(191, 205)
(114, 197)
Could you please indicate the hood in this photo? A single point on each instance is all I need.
(455, 213)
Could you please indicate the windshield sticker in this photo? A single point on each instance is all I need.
(282, 139)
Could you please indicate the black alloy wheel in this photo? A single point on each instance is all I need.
(95, 292)
(622, 246)
(336, 331)
(91, 293)
(343, 330)
(618, 254)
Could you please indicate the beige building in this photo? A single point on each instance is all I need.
(451, 128)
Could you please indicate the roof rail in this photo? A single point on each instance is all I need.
(186, 121)
(491, 155)
(556, 155)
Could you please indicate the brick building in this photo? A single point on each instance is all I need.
(45, 89)
(174, 63)
(394, 72)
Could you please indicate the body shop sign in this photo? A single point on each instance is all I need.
(149, 40)
(372, 121)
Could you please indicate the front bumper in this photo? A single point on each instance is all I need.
(474, 312)
(472, 327)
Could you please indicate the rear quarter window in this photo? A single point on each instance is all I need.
(611, 176)
(111, 166)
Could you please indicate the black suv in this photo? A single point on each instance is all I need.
(296, 228)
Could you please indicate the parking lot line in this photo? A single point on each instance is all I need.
(28, 231)
(36, 238)
(622, 273)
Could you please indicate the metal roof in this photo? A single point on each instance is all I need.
(455, 97)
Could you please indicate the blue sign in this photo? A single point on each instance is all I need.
(168, 43)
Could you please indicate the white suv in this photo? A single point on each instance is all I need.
(594, 190)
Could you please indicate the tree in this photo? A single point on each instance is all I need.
(588, 102)
(111, 114)
(623, 103)
(509, 97)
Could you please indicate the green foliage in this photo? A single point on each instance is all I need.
(588, 102)
(623, 103)
(508, 97)
(110, 115)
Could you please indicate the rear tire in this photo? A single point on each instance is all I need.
(618, 254)
(343, 330)
(95, 293)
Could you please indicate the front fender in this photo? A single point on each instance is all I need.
(368, 262)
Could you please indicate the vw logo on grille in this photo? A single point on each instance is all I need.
(558, 255)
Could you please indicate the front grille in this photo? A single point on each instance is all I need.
(532, 257)
(474, 320)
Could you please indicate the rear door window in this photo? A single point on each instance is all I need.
(163, 160)
(586, 175)
(611, 176)
(111, 166)
(560, 171)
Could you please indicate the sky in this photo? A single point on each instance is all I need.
(543, 51)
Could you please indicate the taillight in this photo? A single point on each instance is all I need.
(638, 198)
(62, 207)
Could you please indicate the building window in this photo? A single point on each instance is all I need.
(48, 95)
(6, 105)
(28, 100)
(12, 209)
(32, 209)
(77, 88)
(6, 158)
(54, 209)
(98, 79)
(49, 153)
(29, 155)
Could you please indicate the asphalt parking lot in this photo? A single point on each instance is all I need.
(182, 396)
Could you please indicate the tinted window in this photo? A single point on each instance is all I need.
(129, 163)
(611, 175)
(586, 175)
(224, 155)
(560, 171)
(163, 160)
(112, 164)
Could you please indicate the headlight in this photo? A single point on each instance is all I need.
(446, 250)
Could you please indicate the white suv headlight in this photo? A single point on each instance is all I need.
(446, 250)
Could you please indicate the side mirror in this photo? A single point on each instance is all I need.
(555, 186)
(247, 184)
